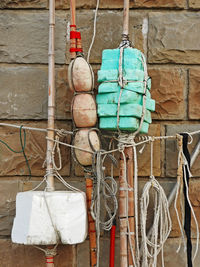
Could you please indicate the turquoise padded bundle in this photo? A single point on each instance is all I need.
(131, 100)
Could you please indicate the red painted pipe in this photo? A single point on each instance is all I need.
(112, 245)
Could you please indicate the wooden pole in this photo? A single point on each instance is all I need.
(131, 210)
(73, 26)
(125, 250)
(91, 224)
(51, 94)
(122, 214)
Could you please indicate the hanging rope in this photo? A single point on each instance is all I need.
(179, 191)
(152, 245)
(94, 31)
(104, 192)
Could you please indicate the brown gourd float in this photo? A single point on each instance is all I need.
(84, 111)
(81, 140)
(80, 75)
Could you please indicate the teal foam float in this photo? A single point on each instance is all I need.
(135, 64)
(111, 87)
(125, 124)
(115, 53)
(126, 110)
(131, 102)
(112, 75)
(127, 97)
(113, 98)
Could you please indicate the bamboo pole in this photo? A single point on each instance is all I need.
(51, 106)
(126, 18)
(73, 26)
(50, 259)
(51, 94)
(91, 224)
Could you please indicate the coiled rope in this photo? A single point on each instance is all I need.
(154, 243)
(104, 192)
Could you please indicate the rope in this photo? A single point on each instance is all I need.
(49, 252)
(152, 246)
(56, 146)
(105, 190)
(35, 129)
(94, 30)
(58, 238)
(153, 243)
(142, 139)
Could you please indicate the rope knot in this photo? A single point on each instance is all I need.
(50, 252)
(121, 147)
(153, 180)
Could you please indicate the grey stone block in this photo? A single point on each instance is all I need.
(8, 191)
(174, 259)
(23, 92)
(174, 38)
(24, 37)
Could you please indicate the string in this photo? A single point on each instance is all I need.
(23, 146)
(94, 31)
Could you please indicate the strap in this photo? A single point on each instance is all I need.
(187, 222)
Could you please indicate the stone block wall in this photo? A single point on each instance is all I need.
(167, 31)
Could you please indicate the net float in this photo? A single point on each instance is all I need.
(84, 110)
(81, 140)
(80, 75)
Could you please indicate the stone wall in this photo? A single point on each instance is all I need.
(167, 31)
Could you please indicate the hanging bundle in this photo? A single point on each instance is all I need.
(124, 99)
(84, 114)
(49, 217)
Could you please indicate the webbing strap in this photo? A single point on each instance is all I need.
(187, 222)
